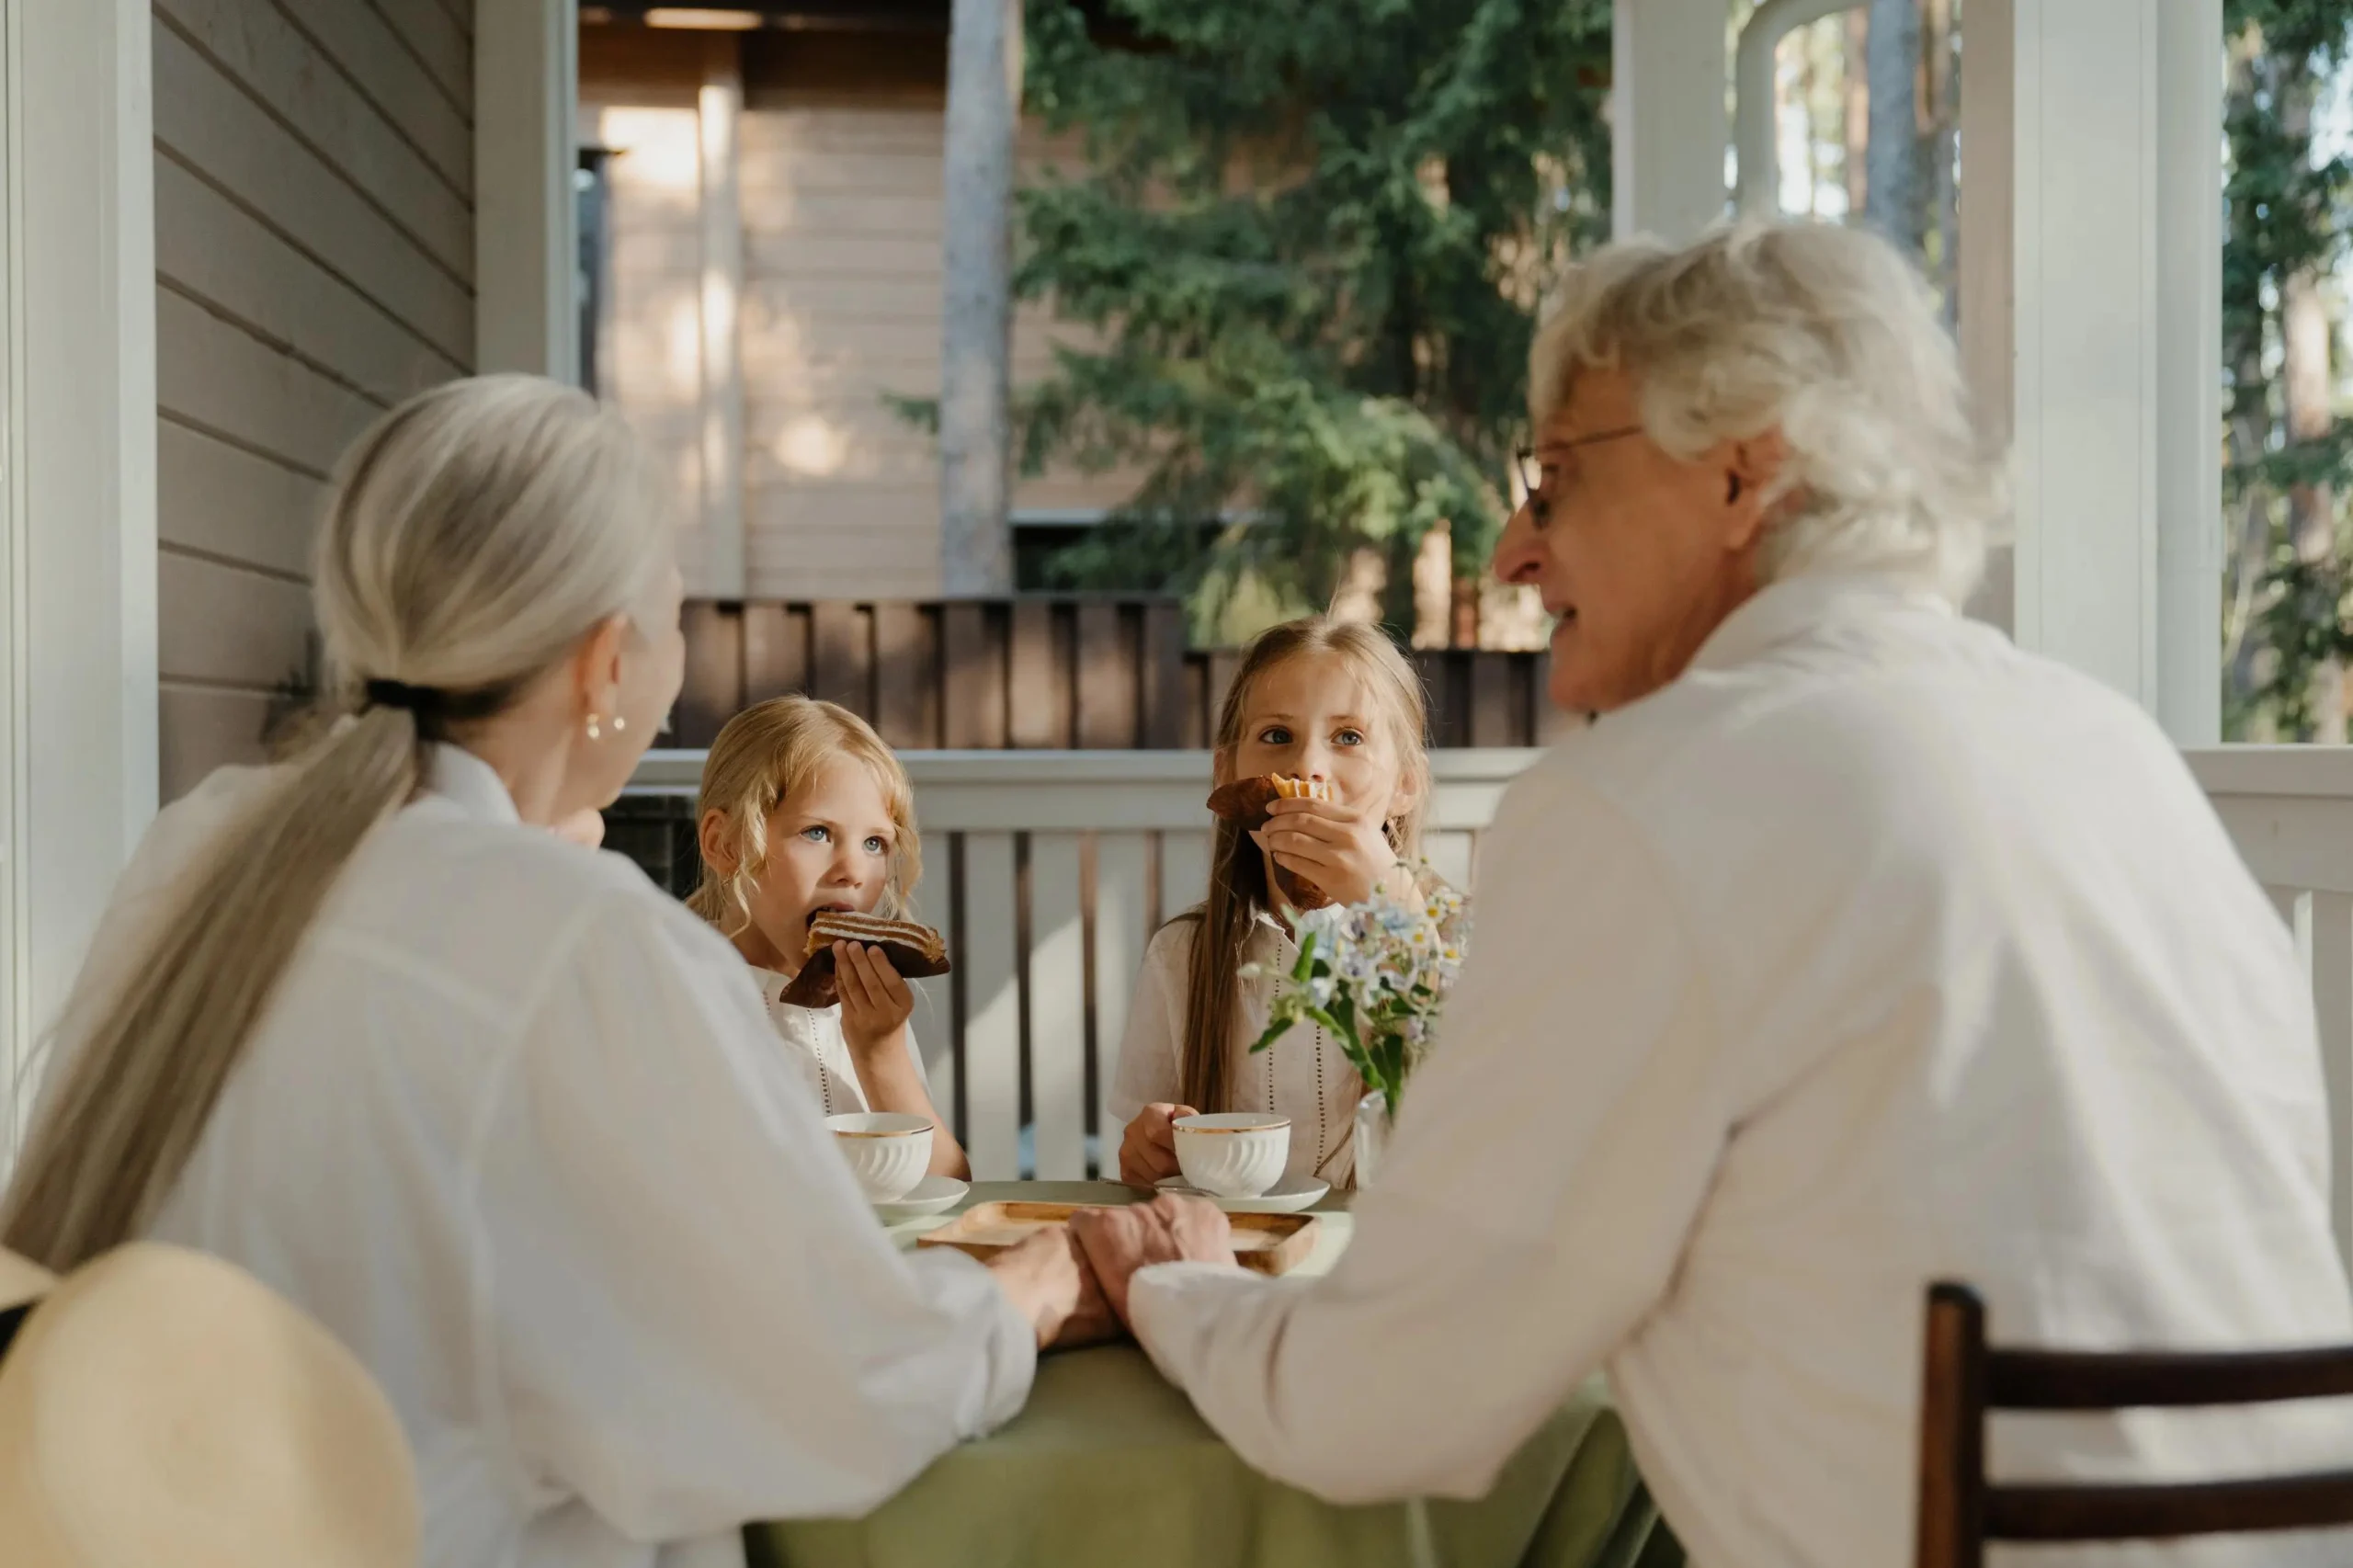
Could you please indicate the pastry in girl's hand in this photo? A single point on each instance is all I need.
(1245, 801)
(915, 951)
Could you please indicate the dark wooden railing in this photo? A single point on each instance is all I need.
(1046, 673)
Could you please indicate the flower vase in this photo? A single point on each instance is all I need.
(1371, 1135)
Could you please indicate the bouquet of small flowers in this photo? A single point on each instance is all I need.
(1374, 974)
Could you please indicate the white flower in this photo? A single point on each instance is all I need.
(1329, 926)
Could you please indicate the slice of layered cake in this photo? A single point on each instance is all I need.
(915, 951)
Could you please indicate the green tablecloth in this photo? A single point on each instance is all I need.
(1109, 1465)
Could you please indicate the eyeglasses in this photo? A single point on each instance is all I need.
(1532, 472)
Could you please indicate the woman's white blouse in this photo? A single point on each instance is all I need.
(516, 1129)
(1303, 1075)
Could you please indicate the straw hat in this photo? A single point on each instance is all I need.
(160, 1406)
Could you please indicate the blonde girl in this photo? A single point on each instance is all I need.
(1317, 699)
(495, 1110)
(803, 810)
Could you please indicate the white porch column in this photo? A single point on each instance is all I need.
(2189, 358)
(2090, 278)
(77, 660)
(722, 567)
(526, 250)
(1667, 122)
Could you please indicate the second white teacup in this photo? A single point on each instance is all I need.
(1234, 1154)
(888, 1153)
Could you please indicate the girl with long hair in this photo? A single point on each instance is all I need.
(1336, 703)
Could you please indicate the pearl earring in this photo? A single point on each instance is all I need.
(619, 723)
(595, 729)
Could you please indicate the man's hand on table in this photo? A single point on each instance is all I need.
(1049, 1282)
(1169, 1229)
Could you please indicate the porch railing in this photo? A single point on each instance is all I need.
(2289, 810)
(1049, 871)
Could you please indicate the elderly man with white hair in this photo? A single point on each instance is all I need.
(1849, 949)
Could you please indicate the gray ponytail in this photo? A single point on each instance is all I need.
(478, 532)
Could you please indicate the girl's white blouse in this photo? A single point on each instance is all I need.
(1303, 1075)
(817, 1049)
(516, 1129)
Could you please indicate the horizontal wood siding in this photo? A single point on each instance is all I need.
(314, 266)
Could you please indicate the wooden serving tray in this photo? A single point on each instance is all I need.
(1265, 1243)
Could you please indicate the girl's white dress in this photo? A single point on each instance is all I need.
(1303, 1075)
(819, 1053)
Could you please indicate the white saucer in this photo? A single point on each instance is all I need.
(1287, 1197)
(933, 1195)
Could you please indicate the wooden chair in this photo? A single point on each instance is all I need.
(1960, 1512)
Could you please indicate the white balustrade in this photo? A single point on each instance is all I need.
(1050, 870)
(2289, 810)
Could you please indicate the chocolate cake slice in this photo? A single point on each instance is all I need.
(917, 952)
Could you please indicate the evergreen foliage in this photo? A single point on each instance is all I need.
(1310, 238)
(2286, 611)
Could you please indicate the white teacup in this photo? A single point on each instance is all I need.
(888, 1153)
(1234, 1154)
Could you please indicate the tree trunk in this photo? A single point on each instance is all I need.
(1434, 588)
(1363, 586)
(2304, 378)
(2245, 430)
(1858, 111)
(975, 361)
(1942, 118)
(1892, 51)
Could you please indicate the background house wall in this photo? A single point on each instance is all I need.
(840, 181)
(314, 251)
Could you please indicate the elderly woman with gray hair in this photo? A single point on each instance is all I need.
(1850, 948)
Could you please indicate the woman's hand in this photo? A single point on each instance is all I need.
(1169, 1229)
(876, 1003)
(1048, 1280)
(1148, 1148)
(1341, 848)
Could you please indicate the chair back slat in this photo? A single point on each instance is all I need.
(1952, 1432)
(2053, 1380)
(1959, 1510)
(2158, 1513)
